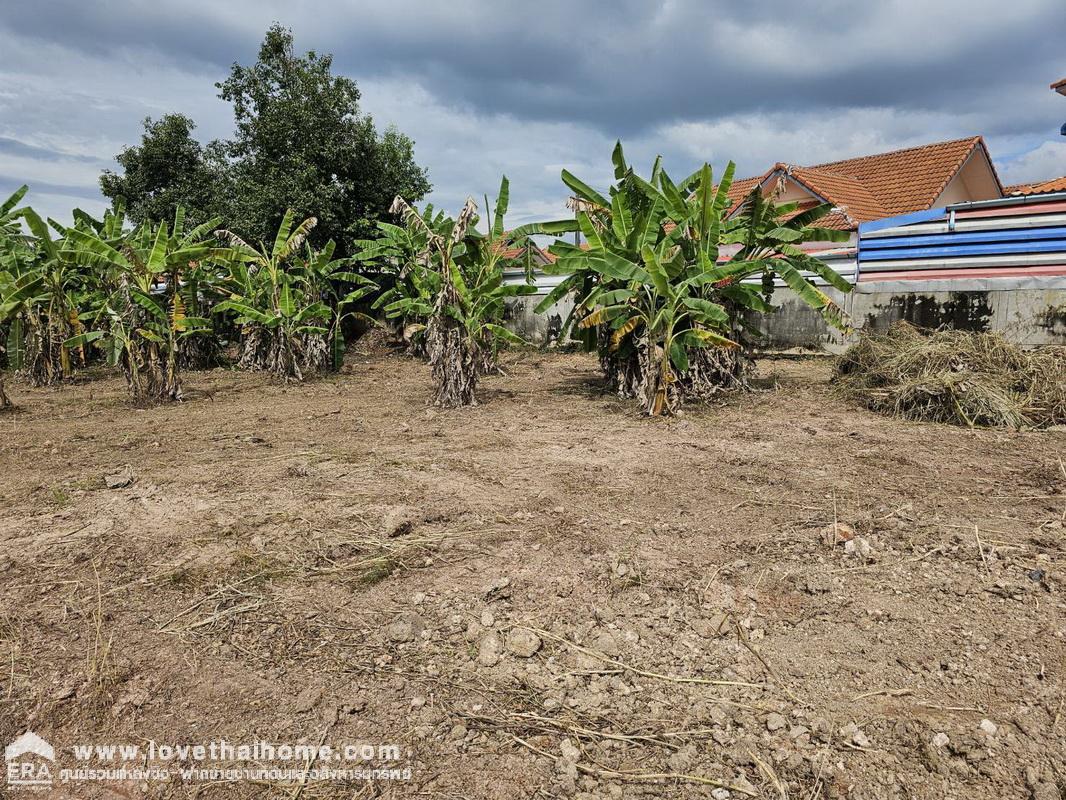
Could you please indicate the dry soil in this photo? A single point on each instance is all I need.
(778, 595)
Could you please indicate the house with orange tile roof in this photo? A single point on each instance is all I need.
(1040, 187)
(935, 239)
(884, 185)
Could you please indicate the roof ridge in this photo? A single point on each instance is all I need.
(972, 139)
(780, 164)
(1037, 187)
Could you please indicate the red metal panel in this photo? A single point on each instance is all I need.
(1045, 270)
(1021, 210)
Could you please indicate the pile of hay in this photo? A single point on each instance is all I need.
(955, 376)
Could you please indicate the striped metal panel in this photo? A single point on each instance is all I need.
(966, 238)
(996, 223)
(1009, 235)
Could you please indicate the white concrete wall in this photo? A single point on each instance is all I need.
(1028, 311)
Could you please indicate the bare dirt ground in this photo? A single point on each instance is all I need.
(543, 596)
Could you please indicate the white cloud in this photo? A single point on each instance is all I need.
(1044, 163)
(468, 152)
(757, 141)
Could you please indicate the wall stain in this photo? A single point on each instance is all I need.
(964, 311)
(1053, 320)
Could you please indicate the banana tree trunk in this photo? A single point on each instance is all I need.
(198, 352)
(45, 361)
(271, 350)
(150, 378)
(714, 369)
(316, 354)
(255, 344)
(5, 401)
(454, 356)
(661, 391)
(37, 359)
(623, 369)
(487, 356)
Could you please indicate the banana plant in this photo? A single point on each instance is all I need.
(9, 214)
(138, 326)
(272, 305)
(774, 231)
(465, 321)
(411, 283)
(36, 334)
(16, 262)
(190, 286)
(655, 283)
(17, 291)
(332, 281)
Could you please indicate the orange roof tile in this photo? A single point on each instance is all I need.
(842, 190)
(876, 186)
(911, 179)
(519, 251)
(1041, 187)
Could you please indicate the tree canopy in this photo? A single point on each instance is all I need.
(300, 142)
(169, 168)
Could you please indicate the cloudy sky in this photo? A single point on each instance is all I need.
(490, 87)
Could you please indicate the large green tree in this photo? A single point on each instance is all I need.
(167, 170)
(301, 142)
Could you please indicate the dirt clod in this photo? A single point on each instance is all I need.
(523, 643)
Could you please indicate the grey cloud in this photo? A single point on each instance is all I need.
(597, 62)
(486, 88)
(16, 148)
(46, 187)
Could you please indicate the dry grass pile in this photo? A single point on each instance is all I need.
(953, 376)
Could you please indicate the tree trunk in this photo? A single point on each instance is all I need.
(623, 368)
(271, 350)
(149, 379)
(455, 358)
(715, 369)
(487, 357)
(255, 344)
(634, 373)
(317, 355)
(46, 361)
(5, 401)
(199, 352)
(661, 392)
(38, 363)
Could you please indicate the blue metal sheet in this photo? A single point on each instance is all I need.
(1021, 247)
(905, 219)
(965, 237)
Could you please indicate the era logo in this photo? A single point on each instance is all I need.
(29, 760)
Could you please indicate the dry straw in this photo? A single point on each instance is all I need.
(960, 377)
